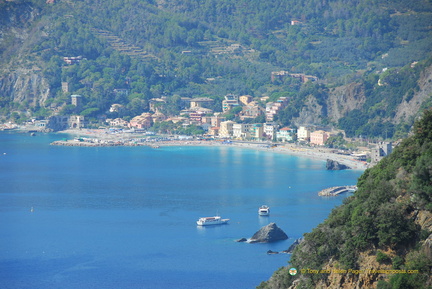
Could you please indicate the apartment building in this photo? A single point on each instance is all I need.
(226, 129)
(319, 137)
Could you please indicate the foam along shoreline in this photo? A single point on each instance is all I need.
(95, 138)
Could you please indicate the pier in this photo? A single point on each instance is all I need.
(334, 191)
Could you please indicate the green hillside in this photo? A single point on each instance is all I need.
(211, 48)
(385, 225)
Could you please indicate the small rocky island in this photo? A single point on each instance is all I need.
(267, 234)
(335, 165)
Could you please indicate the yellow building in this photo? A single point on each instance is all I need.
(226, 129)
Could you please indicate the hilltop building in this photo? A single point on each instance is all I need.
(121, 91)
(72, 60)
(245, 99)
(281, 75)
(65, 86)
(200, 102)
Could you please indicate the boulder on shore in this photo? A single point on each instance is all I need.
(291, 248)
(268, 234)
(335, 165)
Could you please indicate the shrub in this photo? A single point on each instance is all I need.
(382, 258)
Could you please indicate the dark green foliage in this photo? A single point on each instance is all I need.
(336, 141)
(382, 258)
(191, 130)
(397, 262)
(415, 260)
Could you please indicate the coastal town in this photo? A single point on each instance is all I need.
(307, 140)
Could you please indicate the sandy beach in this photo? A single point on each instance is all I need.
(101, 137)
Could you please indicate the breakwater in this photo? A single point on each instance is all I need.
(334, 191)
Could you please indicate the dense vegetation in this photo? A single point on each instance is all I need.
(183, 48)
(379, 217)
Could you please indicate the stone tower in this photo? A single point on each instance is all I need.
(76, 100)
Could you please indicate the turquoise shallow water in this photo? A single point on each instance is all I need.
(124, 217)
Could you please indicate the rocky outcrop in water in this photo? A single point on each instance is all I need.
(336, 166)
(293, 246)
(268, 234)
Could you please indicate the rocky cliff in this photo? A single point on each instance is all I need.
(343, 99)
(411, 106)
(21, 80)
(25, 86)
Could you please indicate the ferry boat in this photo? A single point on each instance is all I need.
(264, 210)
(207, 221)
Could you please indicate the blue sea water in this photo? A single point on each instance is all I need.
(124, 217)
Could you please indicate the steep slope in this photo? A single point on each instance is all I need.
(212, 48)
(414, 100)
(381, 236)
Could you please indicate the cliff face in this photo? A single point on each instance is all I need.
(25, 86)
(343, 99)
(20, 81)
(311, 113)
(410, 107)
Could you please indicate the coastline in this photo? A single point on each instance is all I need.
(97, 137)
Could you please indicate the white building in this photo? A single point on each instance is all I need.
(270, 129)
(241, 130)
(303, 133)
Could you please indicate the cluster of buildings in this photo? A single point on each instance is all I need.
(197, 111)
(215, 124)
(218, 126)
(281, 75)
(59, 122)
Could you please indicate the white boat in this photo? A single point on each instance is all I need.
(207, 221)
(264, 210)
